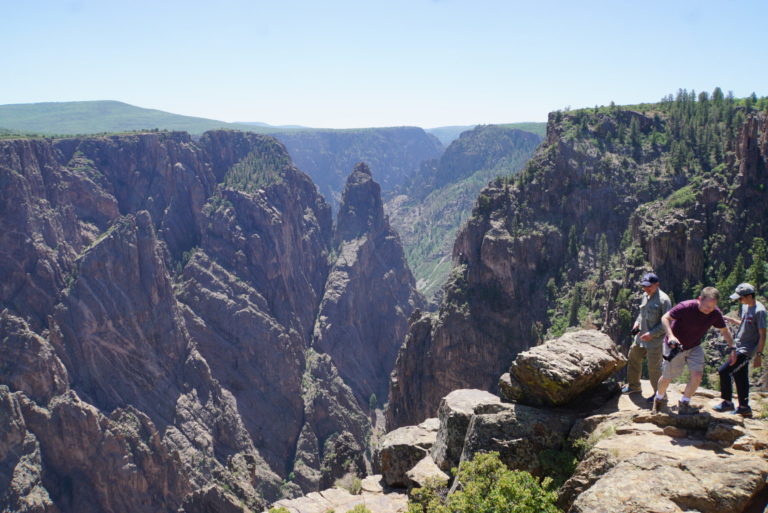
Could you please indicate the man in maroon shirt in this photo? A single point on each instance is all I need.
(685, 326)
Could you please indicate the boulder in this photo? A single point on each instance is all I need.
(402, 449)
(425, 471)
(454, 413)
(519, 433)
(561, 370)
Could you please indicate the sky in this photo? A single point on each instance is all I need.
(378, 63)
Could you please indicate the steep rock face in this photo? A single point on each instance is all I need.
(369, 275)
(332, 440)
(158, 300)
(611, 194)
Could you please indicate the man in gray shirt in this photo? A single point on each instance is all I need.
(649, 335)
(750, 340)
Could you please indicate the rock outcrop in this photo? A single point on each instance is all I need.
(455, 412)
(402, 449)
(159, 298)
(560, 370)
(369, 274)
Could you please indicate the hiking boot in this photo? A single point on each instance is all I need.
(725, 406)
(744, 411)
(686, 408)
(626, 389)
(659, 405)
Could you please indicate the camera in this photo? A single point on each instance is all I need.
(674, 349)
(635, 331)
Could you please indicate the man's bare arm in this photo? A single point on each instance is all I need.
(666, 321)
(726, 333)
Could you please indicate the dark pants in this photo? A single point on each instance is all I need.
(740, 373)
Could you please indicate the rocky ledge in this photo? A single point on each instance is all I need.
(630, 459)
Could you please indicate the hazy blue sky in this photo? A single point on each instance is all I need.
(364, 63)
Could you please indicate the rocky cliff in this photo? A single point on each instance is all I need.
(613, 192)
(160, 297)
(364, 348)
(430, 207)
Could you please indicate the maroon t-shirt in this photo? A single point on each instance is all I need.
(690, 325)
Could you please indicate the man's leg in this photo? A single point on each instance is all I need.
(635, 367)
(670, 369)
(695, 361)
(693, 384)
(726, 387)
(741, 377)
(654, 363)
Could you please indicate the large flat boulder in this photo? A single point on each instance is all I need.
(402, 449)
(561, 370)
(456, 409)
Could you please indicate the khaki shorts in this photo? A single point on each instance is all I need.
(693, 357)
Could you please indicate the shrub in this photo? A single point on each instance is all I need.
(486, 485)
(350, 482)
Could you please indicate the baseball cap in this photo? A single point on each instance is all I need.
(742, 289)
(649, 279)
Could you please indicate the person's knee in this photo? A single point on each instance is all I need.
(696, 375)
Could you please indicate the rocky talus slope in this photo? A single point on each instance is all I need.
(159, 300)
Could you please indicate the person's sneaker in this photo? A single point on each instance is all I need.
(650, 399)
(626, 389)
(725, 406)
(744, 411)
(686, 408)
(659, 405)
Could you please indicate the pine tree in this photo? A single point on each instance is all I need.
(602, 254)
(573, 242)
(734, 278)
(573, 309)
(756, 275)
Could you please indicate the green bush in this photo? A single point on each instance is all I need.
(486, 485)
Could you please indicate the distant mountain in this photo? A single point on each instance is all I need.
(429, 208)
(267, 125)
(394, 154)
(91, 117)
(447, 134)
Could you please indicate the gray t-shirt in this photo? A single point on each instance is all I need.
(753, 318)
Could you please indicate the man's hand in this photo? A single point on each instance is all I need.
(732, 358)
(672, 341)
(758, 361)
(646, 337)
